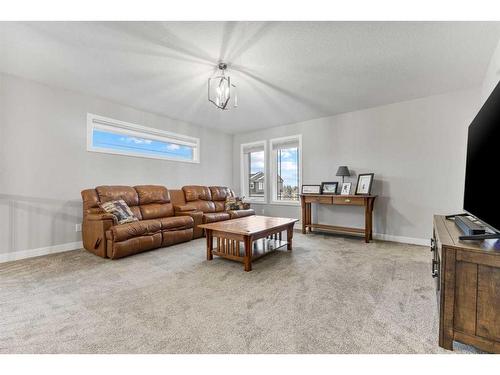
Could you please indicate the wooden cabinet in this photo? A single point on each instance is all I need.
(468, 289)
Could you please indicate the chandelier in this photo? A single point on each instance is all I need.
(221, 90)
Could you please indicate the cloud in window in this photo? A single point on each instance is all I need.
(257, 160)
(173, 147)
(288, 166)
(137, 141)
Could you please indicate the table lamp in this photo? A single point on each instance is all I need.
(343, 171)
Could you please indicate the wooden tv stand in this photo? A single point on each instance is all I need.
(365, 201)
(467, 275)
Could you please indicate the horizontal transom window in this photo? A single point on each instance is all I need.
(122, 138)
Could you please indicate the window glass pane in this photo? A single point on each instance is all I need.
(287, 176)
(140, 146)
(256, 177)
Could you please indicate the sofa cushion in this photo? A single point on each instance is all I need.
(152, 194)
(212, 217)
(220, 206)
(120, 210)
(176, 223)
(115, 249)
(114, 193)
(176, 236)
(241, 213)
(126, 231)
(156, 211)
(220, 193)
(196, 192)
(204, 206)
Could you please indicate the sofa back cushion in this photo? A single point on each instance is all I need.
(114, 193)
(199, 197)
(196, 192)
(177, 197)
(154, 201)
(219, 196)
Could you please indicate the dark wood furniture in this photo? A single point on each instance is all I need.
(365, 201)
(467, 277)
(248, 238)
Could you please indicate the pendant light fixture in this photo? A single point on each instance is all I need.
(221, 92)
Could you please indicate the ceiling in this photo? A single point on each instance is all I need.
(285, 71)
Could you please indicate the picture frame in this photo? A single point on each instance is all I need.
(346, 188)
(329, 188)
(364, 185)
(311, 189)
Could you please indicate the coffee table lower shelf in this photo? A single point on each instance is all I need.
(236, 250)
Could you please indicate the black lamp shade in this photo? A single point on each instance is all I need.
(343, 171)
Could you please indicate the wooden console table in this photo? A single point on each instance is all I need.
(344, 200)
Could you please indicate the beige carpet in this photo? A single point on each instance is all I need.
(330, 295)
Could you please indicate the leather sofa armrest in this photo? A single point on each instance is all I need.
(184, 208)
(94, 230)
(197, 218)
(103, 216)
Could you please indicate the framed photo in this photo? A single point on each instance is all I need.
(329, 187)
(311, 189)
(364, 185)
(346, 188)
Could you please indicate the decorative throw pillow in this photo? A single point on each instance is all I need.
(121, 210)
(231, 204)
(242, 205)
(236, 203)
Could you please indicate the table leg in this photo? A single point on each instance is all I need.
(289, 237)
(209, 244)
(371, 219)
(308, 215)
(304, 214)
(247, 260)
(368, 222)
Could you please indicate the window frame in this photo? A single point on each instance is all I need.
(244, 172)
(129, 129)
(274, 169)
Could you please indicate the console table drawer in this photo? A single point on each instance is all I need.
(353, 201)
(316, 199)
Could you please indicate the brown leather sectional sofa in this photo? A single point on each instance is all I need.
(166, 217)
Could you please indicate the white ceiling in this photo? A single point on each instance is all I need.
(285, 71)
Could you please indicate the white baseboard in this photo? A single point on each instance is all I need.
(401, 239)
(40, 251)
(387, 237)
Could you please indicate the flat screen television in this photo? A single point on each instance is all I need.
(481, 197)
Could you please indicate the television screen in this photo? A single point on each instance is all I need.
(483, 155)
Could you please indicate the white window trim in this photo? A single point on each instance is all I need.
(243, 180)
(274, 167)
(127, 128)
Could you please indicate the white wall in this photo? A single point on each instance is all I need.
(492, 75)
(416, 150)
(44, 163)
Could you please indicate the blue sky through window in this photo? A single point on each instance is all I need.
(140, 146)
(256, 162)
(289, 166)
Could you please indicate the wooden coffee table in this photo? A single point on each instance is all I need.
(248, 238)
